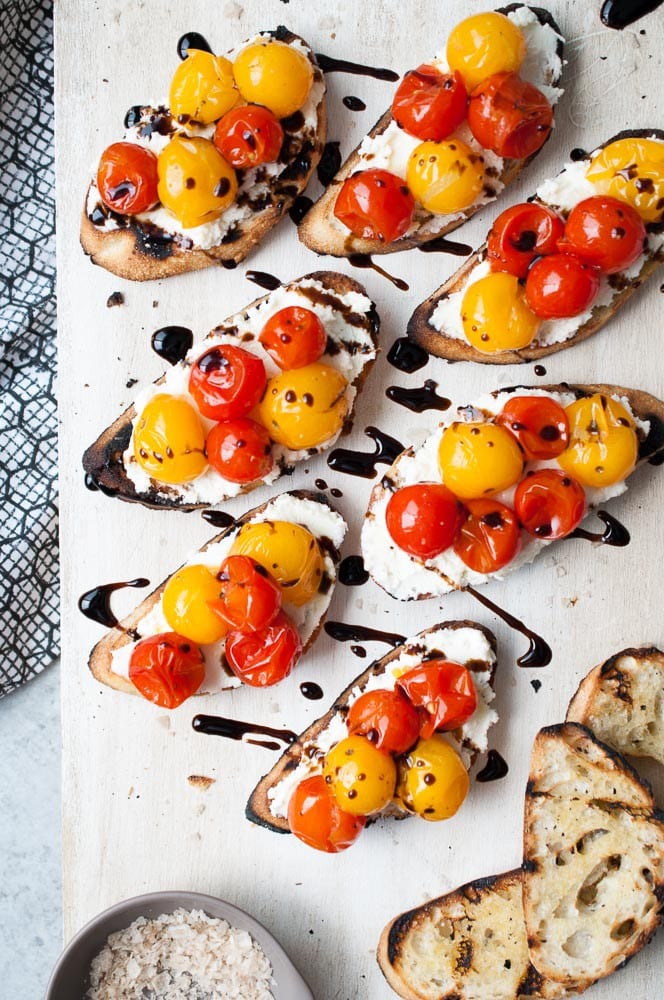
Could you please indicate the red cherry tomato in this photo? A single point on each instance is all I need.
(424, 519)
(489, 537)
(509, 116)
(249, 599)
(266, 656)
(443, 691)
(561, 285)
(249, 136)
(294, 337)
(166, 669)
(539, 424)
(605, 232)
(127, 178)
(240, 450)
(549, 503)
(375, 205)
(429, 104)
(227, 382)
(386, 718)
(316, 819)
(520, 234)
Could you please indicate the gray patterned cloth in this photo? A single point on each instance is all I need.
(29, 613)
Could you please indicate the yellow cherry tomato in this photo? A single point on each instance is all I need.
(362, 779)
(477, 460)
(203, 88)
(496, 315)
(275, 75)
(485, 44)
(304, 407)
(185, 605)
(632, 170)
(445, 176)
(433, 781)
(196, 183)
(288, 552)
(169, 440)
(603, 446)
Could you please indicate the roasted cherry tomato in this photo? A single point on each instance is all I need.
(433, 781)
(361, 778)
(478, 459)
(489, 537)
(265, 657)
(484, 44)
(247, 598)
(445, 177)
(169, 440)
(429, 104)
(316, 819)
(240, 450)
(520, 234)
(127, 178)
(386, 718)
(509, 116)
(227, 382)
(249, 136)
(305, 407)
(375, 205)
(186, 604)
(166, 669)
(294, 337)
(561, 285)
(549, 503)
(605, 232)
(423, 519)
(275, 75)
(443, 691)
(538, 423)
(202, 88)
(195, 182)
(632, 170)
(495, 314)
(603, 446)
(289, 553)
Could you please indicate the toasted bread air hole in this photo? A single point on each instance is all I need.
(623, 930)
(578, 944)
(586, 897)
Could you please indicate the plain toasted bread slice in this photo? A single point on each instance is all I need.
(307, 751)
(622, 702)
(319, 230)
(103, 461)
(593, 858)
(438, 342)
(141, 251)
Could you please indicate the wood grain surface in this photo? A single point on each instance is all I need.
(132, 820)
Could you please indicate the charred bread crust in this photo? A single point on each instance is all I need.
(102, 461)
(258, 806)
(140, 252)
(435, 342)
(101, 656)
(315, 230)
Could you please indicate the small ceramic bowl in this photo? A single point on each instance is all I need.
(69, 980)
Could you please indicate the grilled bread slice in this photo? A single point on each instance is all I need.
(593, 879)
(321, 232)
(622, 702)
(436, 323)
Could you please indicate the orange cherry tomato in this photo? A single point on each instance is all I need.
(509, 116)
(561, 285)
(166, 669)
(375, 205)
(264, 657)
(549, 503)
(240, 450)
(520, 234)
(227, 382)
(127, 178)
(489, 537)
(294, 337)
(539, 424)
(386, 718)
(423, 519)
(605, 232)
(315, 818)
(248, 136)
(249, 599)
(443, 691)
(429, 104)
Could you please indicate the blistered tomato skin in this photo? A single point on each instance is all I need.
(485, 44)
(443, 691)
(305, 407)
(433, 781)
(169, 440)
(196, 183)
(316, 819)
(429, 104)
(603, 446)
(386, 718)
(539, 424)
(186, 607)
(496, 315)
(203, 88)
(549, 504)
(248, 136)
(520, 234)
(361, 778)
(478, 459)
(247, 598)
(509, 116)
(375, 205)
(561, 285)
(240, 450)
(633, 171)
(445, 177)
(423, 519)
(489, 537)
(605, 232)
(166, 669)
(290, 554)
(294, 337)
(127, 178)
(275, 75)
(227, 382)
(264, 657)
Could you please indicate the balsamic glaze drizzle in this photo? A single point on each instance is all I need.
(218, 518)
(538, 653)
(442, 245)
(329, 163)
(620, 13)
(262, 278)
(615, 533)
(299, 208)
(353, 103)
(95, 604)
(419, 399)
(343, 632)
(495, 768)
(311, 690)
(365, 260)
(362, 463)
(352, 572)
(192, 40)
(234, 729)
(329, 64)
(539, 370)
(406, 356)
(172, 343)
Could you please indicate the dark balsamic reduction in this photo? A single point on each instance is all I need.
(311, 690)
(620, 13)
(442, 245)
(262, 278)
(362, 463)
(539, 370)
(91, 483)
(329, 64)
(153, 241)
(336, 493)
(320, 484)
(329, 163)
(233, 729)
(365, 260)
(353, 103)
(172, 343)
(192, 40)
(299, 208)
(218, 518)
(95, 604)
(539, 652)
(495, 768)
(352, 572)
(615, 533)
(133, 116)
(358, 651)
(421, 398)
(406, 356)
(343, 632)
(536, 685)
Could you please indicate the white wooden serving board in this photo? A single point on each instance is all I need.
(132, 822)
